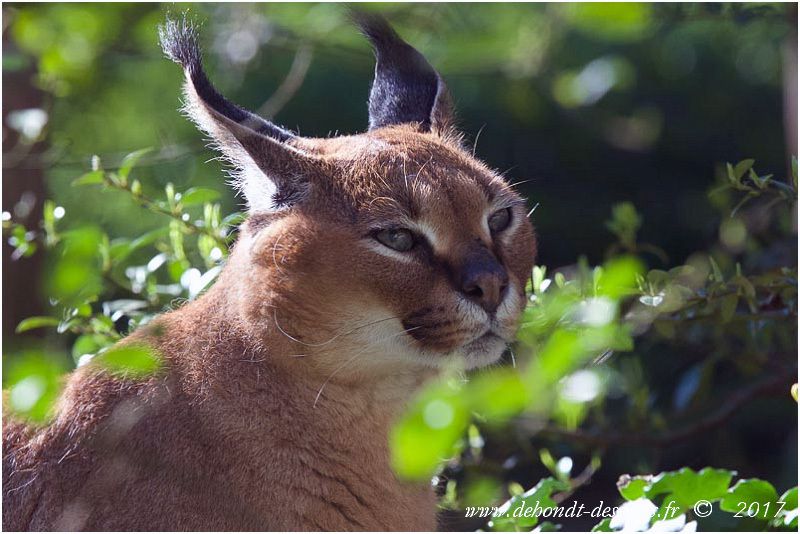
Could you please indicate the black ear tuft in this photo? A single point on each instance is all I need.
(271, 172)
(406, 88)
(179, 40)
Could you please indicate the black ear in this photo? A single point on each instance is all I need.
(406, 88)
(270, 172)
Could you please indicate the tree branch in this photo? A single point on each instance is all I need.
(769, 385)
(290, 85)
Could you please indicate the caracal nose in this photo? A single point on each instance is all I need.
(484, 281)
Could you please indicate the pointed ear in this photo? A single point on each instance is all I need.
(406, 88)
(270, 172)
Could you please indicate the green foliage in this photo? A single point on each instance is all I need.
(429, 431)
(89, 270)
(686, 487)
(691, 493)
(518, 513)
(742, 178)
(568, 328)
(569, 323)
(683, 493)
(574, 322)
(33, 383)
(36, 322)
(749, 492)
(129, 361)
(624, 223)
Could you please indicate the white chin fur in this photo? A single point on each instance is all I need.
(479, 353)
(483, 352)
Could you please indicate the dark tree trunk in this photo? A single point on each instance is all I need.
(23, 192)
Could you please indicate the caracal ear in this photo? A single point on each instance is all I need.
(406, 88)
(270, 172)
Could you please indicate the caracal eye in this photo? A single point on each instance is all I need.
(399, 239)
(499, 220)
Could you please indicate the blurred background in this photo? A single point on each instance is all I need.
(585, 105)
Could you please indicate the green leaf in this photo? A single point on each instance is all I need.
(84, 309)
(176, 268)
(90, 178)
(522, 512)
(790, 498)
(428, 432)
(632, 488)
(715, 270)
(76, 277)
(560, 280)
(619, 277)
(613, 22)
(731, 173)
(747, 287)
(625, 222)
(497, 394)
(742, 167)
(537, 277)
(657, 277)
(603, 526)
(763, 181)
(547, 526)
(129, 161)
(134, 361)
(758, 498)
(787, 516)
(148, 238)
(121, 249)
(48, 214)
(563, 351)
(233, 219)
(36, 322)
(198, 195)
(88, 344)
(547, 460)
(686, 487)
(33, 382)
(103, 323)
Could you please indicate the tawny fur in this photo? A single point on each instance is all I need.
(280, 385)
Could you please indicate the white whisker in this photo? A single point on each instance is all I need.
(337, 336)
(274, 259)
(475, 143)
(515, 184)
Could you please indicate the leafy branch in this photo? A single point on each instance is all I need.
(172, 207)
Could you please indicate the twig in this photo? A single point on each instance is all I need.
(581, 480)
(716, 418)
(738, 318)
(291, 84)
(155, 207)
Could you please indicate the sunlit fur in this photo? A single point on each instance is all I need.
(281, 383)
(333, 275)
